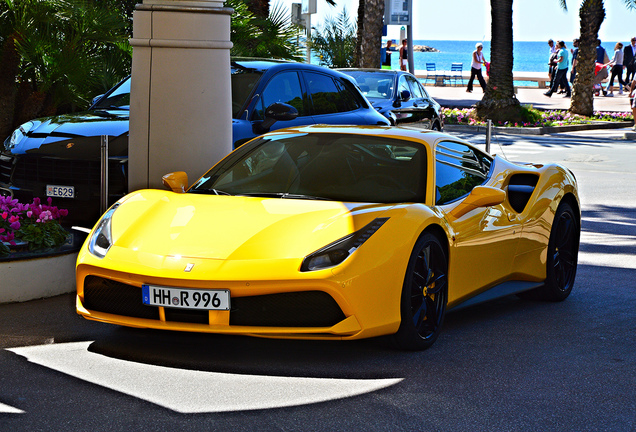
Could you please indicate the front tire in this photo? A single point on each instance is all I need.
(424, 295)
(563, 249)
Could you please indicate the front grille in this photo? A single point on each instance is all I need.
(108, 296)
(298, 309)
(35, 169)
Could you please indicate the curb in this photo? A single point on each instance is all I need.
(542, 130)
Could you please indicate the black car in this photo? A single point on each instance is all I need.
(60, 156)
(399, 96)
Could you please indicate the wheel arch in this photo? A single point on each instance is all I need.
(440, 234)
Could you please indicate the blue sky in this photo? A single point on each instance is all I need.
(533, 20)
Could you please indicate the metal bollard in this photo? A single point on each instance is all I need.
(488, 134)
(104, 175)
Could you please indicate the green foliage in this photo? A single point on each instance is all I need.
(44, 235)
(274, 37)
(336, 41)
(67, 52)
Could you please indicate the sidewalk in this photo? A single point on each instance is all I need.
(457, 97)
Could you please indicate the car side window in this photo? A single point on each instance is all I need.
(458, 169)
(403, 85)
(416, 88)
(326, 96)
(283, 87)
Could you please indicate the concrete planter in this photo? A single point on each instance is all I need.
(38, 277)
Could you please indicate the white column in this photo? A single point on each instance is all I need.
(181, 99)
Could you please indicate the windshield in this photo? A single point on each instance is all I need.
(118, 98)
(374, 85)
(338, 167)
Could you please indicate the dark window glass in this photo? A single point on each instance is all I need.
(283, 87)
(243, 83)
(326, 97)
(348, 100)
(340, 167)
(416, 88)
(458, 169)
(403, 85)
(119, 98)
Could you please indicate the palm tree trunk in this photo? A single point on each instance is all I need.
(592, 14)
(499, 101)
(370, 21)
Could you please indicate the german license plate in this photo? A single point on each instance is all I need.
(185, 298)
(60, 191)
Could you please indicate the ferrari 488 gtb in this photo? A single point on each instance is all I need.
(333, 232)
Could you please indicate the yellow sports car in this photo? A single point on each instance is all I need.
(333, 232)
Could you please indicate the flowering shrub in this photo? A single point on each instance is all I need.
(36, 224)
(465, 116)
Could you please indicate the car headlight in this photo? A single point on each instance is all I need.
(18, 135)
(338, 251)
(102, 239)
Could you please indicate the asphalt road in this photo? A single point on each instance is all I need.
(508, 365)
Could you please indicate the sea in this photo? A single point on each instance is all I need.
(527, 56)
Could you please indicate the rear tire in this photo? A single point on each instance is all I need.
(424, 295)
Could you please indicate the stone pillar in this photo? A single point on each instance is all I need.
(181, 98)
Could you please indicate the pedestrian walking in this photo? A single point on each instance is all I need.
(475, 68)
(562, 70)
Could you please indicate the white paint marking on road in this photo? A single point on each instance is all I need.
(189, 391)
(7, 409)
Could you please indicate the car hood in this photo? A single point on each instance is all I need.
(166, 224)
(51, 135)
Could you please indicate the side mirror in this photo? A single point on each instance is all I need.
(405, 95)
(481, 196)
(176, 181)
(277, 111)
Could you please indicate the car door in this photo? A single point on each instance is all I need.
(403, 109)
(424, 111)
(484, 240)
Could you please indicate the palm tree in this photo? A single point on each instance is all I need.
(499, 102)
(56, 55)
(336, 42)
(592, 14)
(370, 22)
(274, 37)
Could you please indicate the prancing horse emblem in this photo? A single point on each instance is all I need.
(189, 267)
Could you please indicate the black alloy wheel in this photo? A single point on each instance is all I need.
(563, 249)
(424, 295)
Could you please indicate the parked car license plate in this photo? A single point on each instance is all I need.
(184, 298)
(60, 191)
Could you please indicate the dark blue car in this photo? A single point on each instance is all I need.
(399, 96)
(60, 156)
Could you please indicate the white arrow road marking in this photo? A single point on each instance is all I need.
(9, 409)
(188, 391)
